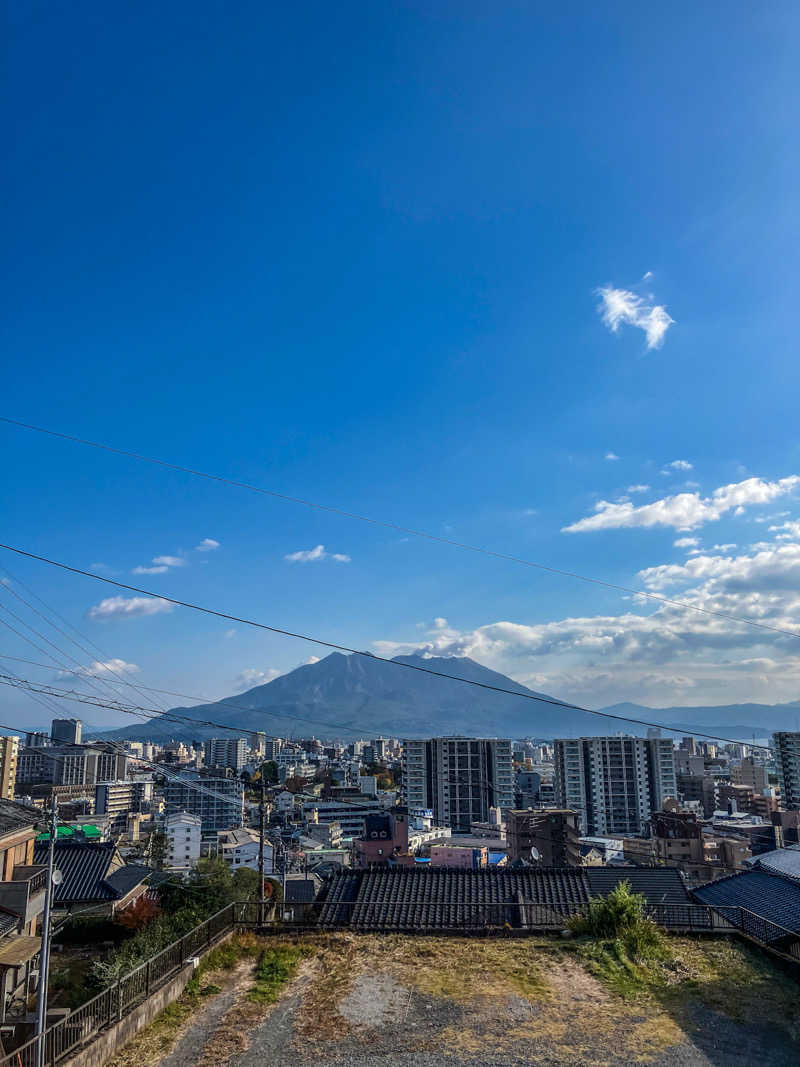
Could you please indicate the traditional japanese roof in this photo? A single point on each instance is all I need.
(91, 872)
(771, 896)
(14, 816)
(425, 897)
(780, 861)
(658, 885)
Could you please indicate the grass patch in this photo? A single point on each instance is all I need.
(275, 967)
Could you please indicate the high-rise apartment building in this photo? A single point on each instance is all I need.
(458, 778)
(219, 802)
(786, 745)
(66, 731)
(226, 752)
(614, 782)
(9, 749)
(71, 764)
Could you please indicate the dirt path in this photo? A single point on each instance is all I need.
(204, 1024)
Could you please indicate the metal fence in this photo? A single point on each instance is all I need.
(81, 1026)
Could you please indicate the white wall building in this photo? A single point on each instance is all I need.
(239, 848)
(183, 840)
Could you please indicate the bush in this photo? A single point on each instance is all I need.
(620, 917)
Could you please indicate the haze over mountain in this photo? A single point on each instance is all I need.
(357, 696)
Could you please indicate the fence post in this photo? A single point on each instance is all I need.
(119, 999)
(147, 980)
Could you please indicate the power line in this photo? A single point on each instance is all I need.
(359, 652)
(398, 528)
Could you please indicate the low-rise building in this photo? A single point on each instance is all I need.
(546, 836)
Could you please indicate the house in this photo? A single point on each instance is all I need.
(766, 894)
(239, 848)
(94, 876)
(300, 892)
(22, 891)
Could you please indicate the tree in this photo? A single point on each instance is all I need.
(158, 849)
(245, 884)
(142, 911)
(270, 772)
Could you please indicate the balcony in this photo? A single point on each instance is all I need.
(23, 894)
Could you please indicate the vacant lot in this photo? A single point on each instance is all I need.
(354, 1001)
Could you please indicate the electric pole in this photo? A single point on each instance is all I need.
(44, 955)
(262, 819)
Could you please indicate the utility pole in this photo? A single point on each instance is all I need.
(44, 955)
(262, 820)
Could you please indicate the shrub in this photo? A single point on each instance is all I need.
(620, 917)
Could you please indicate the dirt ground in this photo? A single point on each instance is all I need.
(436, 1002)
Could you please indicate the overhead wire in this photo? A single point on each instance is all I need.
(360, 652)
(398, 528)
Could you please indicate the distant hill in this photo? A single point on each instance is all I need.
(358, 696)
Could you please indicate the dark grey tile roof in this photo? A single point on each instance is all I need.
(301, 890)
(659, 885)
(127, 878)
(441, 897)
(14, 816)
(83, 867)
(772, 896)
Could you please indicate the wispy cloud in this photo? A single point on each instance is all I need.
(677, 465)
(98, 667)
(208, 544)
(638, 488)
(684, 511)
(315, 555)
(160, 565)
(686, 542)
(622, 307)
(252, 676)
(120, 607)
(611, 455)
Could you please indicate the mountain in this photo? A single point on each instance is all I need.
(358, 696)
(733, 720)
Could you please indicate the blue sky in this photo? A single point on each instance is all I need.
(359, 255)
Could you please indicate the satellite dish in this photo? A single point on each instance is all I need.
(58, 877)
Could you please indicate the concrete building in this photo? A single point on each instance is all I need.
(787, 761)
(71, 764)
(218, 801)
(458, 778)
(748, 772)
(9, 752)
(614, 782)
(349, 816)
(119, 799)
(183, 832)
(226, 752)
(454, 855)
(66, 731)
(547, 837)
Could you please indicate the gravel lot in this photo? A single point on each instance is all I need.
(410, 1003)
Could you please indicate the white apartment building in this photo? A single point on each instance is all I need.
(183, 831)
(226, 752)
(614, 782)
(458, 778)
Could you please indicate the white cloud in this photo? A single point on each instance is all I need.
(120, 607)
(638, 488)
(250, 677)
(786, 531)
(685, 511)
(230, 633)
(686, 542)
(310, 661)
(208, 544)
(149, 570)
(313, 555)
(169, 561)
(109, 667)
(611, 455)
(678, 465)
(620, 306)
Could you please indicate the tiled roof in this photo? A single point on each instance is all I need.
(781, 861)
(127, 878)
(424, 897)
(771, 896)
(83, 867)
(14, 816)
(659, 885)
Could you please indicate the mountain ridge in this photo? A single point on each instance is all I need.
(348, 696)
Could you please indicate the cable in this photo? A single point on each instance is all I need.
(360, 652)
(397, 527)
